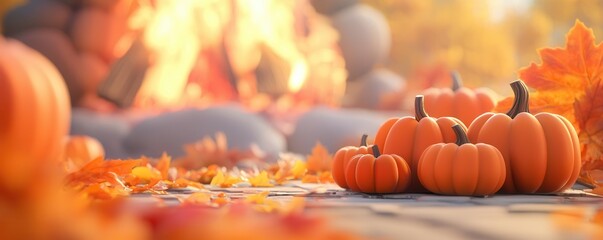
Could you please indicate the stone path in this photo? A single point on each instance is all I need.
(426, 216)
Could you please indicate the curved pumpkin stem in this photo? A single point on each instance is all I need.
(522, 96)
(420, 108)
(376, 152)
(461, 135)
(363, 140)
(457, 82)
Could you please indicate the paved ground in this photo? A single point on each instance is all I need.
(425, 216)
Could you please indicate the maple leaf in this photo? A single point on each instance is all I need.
(224, 180)
(261, 180)
(208, 151)
(163, 166)
(568, 83)
(99, 170)
(319, 160)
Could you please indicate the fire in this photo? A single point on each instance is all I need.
(206, 51)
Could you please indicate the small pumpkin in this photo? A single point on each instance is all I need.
(377, 173)
(541, 151)
(35, 114)
(459, 101)
(462, 168)
(342, 158)
(409, 136)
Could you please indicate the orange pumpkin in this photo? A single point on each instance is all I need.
(342, 158)
(460, 102)
(408, 137)
(378, 173)
(80, 150)
(541, 151)
(462, 168)
(35, 114)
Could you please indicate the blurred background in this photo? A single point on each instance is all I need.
(298, 71)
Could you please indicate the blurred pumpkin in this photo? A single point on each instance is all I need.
(36, 112)
(378, 173)
(541, 151)
(459, 101)
(342, 158)
(80, 150)
(409, 136)
(462, 168)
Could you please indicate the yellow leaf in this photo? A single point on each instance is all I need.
(261, 180)
(224, 181)
(257, 198)
(299, 169)
(145, 173)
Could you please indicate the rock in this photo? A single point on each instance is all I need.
(365, 38)
(35, 15)
(368, 90)
(169, 132)
(328, 7)
(109, 130)
(333, 128)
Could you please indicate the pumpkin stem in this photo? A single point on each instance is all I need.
(521, 102)
(420, 108)
(457, 82)
(363, 140)
(376, 152)
(461, 135)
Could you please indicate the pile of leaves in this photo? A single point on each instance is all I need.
(91, 202)
(569, 82)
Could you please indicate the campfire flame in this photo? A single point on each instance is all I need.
(183, 37)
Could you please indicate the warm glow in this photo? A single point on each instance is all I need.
(185, 38)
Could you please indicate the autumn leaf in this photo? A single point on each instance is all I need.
(98, 170)
(319, 160)
(163, 166)
(568, 82)
(224, 180)
(261, 180)
(208, 151)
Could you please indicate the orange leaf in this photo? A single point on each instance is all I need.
(319, 160)
(96, 171)
(163, 166)
(568, 82)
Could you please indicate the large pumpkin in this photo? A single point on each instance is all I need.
(409, 136)
(377, 173)
(462, 168)
(342, 158)
(541, 151)
(460, 102)
(35, 113)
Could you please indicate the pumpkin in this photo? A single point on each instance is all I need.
(80, 150)
(35, 114)
(460, 102)
(409, 136)
(541, 151)
(377, 173)
(462, 168)
(342, 158)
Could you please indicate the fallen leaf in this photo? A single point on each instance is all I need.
(261, 180)
(224, 180)
(320, 159)
(208, 151)
(568, 83)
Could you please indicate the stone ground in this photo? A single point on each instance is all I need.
(427, 216)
